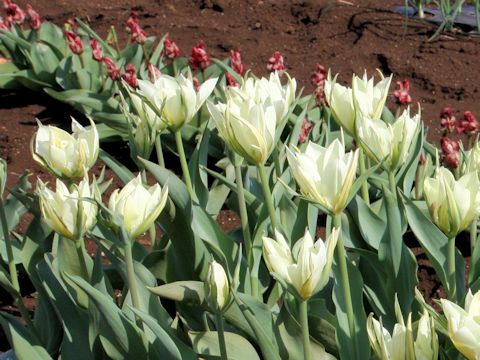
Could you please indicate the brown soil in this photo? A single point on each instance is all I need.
(345, 36)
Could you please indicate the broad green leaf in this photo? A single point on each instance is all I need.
(190, 292)
(44, 62)
(205, 343)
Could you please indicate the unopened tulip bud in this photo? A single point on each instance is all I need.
(74, 42)
(402, 92)
(130, 76)
(97, 51)
(137, 34)
(112, 69)
(199, 58)
(468, 125)
(34, 19)
(275, 62)
(447, 120)
(236, 62)
(217, 288)
(170, 49)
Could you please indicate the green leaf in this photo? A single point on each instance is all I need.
(44, 62)
(190, 292)
(52, 35)
(118, 168)
(24, 344)
(221, 64)
(108, 49)
(205, 343)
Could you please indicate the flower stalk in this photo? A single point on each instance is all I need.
(307, 352)
(268, 195)
(158, 148)
(364, 188)
(183, 162)
(452, 284)
(131, 277)
(221, 335)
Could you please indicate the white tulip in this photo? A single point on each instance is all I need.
(369, 98)
(146, 113)
(66, 156)
(175, 98)
(340, 101)
(453, 204)
(306, 268)
(325, 174)
(464, 325)
(246, 127)
(69, 213)
(390, 143)
(217, 289)
(138, 205)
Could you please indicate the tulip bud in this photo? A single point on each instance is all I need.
(464, 325)
(74, 42)
(304, 270)
(137, 34)
(175, 99)
(112, 69)
(453, 204)
(217, 289)
(138, 205)
(97, 51)
(275, 63)
(170, 49)
(426, 343)
(447, 120)
(153, 72)
(34, 19)
(130, 76)
(199, 58)
(66, 156)
(236, 62)
(468, 125)
(69, 212)
(325, 175)
(402, 92)
(450, 152)
(14, 13)
(340, 100)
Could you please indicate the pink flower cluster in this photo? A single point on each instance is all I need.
(137, 34)
(305, 131)
(237, 65)
(74, 42)
(468, 124)
(170, 49)
(199, 58)
(15, 15)
(450, 152)
(275, 62)
(402, 93)
(317, 79)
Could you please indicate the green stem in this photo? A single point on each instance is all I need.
(452, 284)
(364, 189)
(268, 195)
(276, 162)
(391, 183)
(79, 245)
(158, 147)
(174, 68)
(307, 352)
(247, 239)
(183, 162)
(221, 336)
(344, 279)
(473, 236)
(8, 244)
(132, 279)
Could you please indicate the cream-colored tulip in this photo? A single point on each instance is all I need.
(453, 204)
(146, 113)
(280, 96)
(400, 345)
(175, 98)
(305, 269)
(248, 128)
(471, 160)
(369, 98)
(217, 289)
(69, 213)
(325, 174)
(390, 143)
(66, 155)
(138, 205)
(340, 101)
(464, 325)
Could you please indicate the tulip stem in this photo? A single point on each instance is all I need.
(267, 195)
(364, 189)
(183, 162)
(221, 336)
(158, 147)
(247, 239)
(307, 352)
(132, 279)
(341, 259)
(79, 245)
(452, 286)
(276, 162)
(473, 237)
(392, 184)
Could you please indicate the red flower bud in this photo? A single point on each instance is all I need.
(14, 13)
(97, 50)
(170, 49)
(5, 25)
(74, 42)
(199, 58)
(318, 76)
(153, 72)
(230, 79)
(469, 124)
(275, 62)
(306, 129)
(402, 92)
(450, 152)
(196, 83)
(137, 34)
(236, 62)
(447, 120)
(112, 69)
(34, 19)
(130, 75)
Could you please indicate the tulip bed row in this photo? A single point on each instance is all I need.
(268, 289)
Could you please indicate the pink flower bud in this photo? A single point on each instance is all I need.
(199, 58)
(130, 75)
(306, 129)
(402, 92)
(275, 62)
(170, 49)
(422, 159)
(236, 62)
(112, 69)
(34, 19)
(137, 34)
(447, 120)
(14, 13)
(97, 50)
(318, 76)
(469, 124)
(153, 72)
(74, 42)
(5, 25)
(196, 84)
(450, 152)
(230, 79)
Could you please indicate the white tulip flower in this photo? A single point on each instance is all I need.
(146, 113)
(369, 98)
(453, 204)
(69, 212)
(138, 205)
(464, 325)
(390, 143)
(175, 98)
(246, 127)
(66, 155)
(340, 101)
(306, 268)
(325, 174)
(217, 289)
